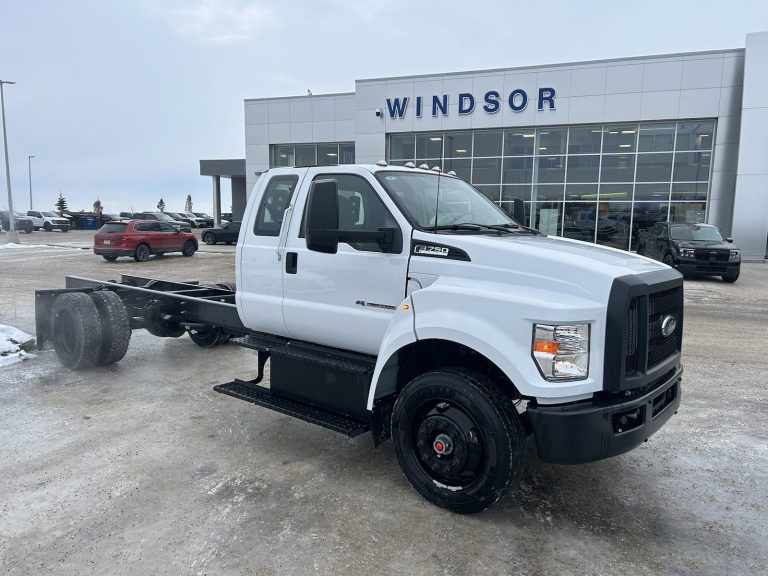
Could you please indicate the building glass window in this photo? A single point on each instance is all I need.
(695, 135)
(289, 155)
(599, 183)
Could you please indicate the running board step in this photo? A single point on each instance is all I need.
(263, 397)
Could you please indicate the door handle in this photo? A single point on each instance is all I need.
(291, 261)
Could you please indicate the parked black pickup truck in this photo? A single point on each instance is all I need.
(692, 249)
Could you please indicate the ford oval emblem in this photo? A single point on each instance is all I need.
(668, 325)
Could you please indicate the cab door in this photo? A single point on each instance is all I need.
(258, 258)
(347, 299)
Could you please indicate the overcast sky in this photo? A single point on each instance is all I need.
(121, 100)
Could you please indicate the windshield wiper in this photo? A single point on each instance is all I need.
(462, 226)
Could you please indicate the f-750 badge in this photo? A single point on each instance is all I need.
(431, 250)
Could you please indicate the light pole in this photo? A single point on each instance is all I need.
(13, 235)
(29, 167)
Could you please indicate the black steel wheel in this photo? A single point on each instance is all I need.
(189, 248)
(142, 252)
(115, 326)
(458, 438)
(109, 257)
(208, 338)
(76, 330)
(209, 238)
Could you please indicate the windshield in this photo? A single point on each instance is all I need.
(19, 215)
(50, 215)
(459, 203)
(695, 233)
(165, 217)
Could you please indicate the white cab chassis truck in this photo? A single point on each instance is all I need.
(402, 302)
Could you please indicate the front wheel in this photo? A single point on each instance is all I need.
(731, 276)
(458, 439)
(47, 227)
(189, 248)
(669, 260)
(209, 239)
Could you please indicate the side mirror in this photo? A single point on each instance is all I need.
(729, 240)
(323, 217)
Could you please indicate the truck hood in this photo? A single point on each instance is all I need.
(560, 264)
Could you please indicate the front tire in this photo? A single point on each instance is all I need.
(731, 276)
(458, 439)
(142, 252)
(209, 239)
(189, 248)
(669, 260)
(47, 227)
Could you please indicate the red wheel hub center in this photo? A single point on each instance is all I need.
(443, 444)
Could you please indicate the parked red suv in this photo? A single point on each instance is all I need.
(140, 238)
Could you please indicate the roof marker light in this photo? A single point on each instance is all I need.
(381, 163)
(409, 165)
(424, 166)
(452, 173)
(436, 169)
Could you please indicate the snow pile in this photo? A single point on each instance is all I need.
(14, 345)
(14, 246)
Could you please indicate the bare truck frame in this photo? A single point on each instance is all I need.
(208, 313)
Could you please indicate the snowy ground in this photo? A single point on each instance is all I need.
(14, 345)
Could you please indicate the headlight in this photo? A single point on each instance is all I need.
(734, 254)
(561, 351)
(687, 252)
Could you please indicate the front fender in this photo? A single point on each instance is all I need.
(497, 322)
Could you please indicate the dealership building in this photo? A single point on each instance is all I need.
(597, 150)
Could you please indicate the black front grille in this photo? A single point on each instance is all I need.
(631, 335)
(636, 349)
(712, 254)
(661, 305)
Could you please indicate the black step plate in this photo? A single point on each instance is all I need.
(264, 397)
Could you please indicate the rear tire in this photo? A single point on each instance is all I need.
(464, 411)
(76, 330)
(142, 252)
(209, 239)
(109, 257)
(189, 248)
(115, 326)
(731, 277)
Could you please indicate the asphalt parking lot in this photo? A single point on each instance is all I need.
(141, 468)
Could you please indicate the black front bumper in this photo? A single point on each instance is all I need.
(705, 267)
(603, 427)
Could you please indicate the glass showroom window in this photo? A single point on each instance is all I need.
(289, 155)
(598, 183)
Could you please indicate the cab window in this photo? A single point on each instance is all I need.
(360, 208)
(274, 202)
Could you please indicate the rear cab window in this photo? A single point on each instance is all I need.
(274, 202)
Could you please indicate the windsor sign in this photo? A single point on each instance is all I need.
(491, 102)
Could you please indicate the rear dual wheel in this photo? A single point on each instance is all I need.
(458, 438)
(89, 329)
